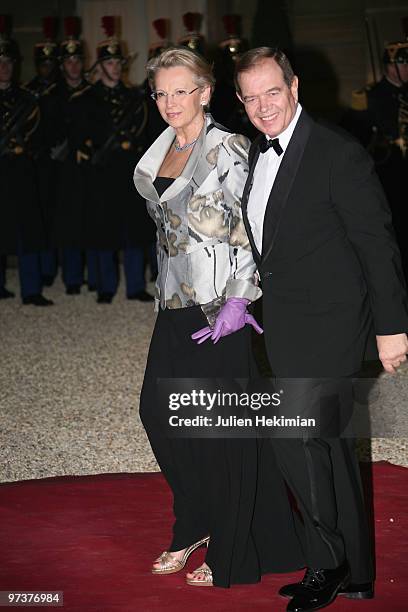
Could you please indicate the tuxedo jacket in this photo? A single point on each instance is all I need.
(330, 267)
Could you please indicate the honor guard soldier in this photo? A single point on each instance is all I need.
(379, 119)
(64, 137)
(114, 121)
(21, 229)
(42, 85)
(45, 59)
(225, 106)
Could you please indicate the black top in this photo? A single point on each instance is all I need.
(161, 183)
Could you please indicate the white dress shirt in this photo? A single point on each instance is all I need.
(265, 173)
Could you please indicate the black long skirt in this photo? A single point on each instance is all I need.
(228, 488)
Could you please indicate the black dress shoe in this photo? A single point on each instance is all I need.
(320, 588)
(105, 298)
(354, 590)
(73, 290)
(142, 296)
(37, 300)
(5, 294)
(47, 280)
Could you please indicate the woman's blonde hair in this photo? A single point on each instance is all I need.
(180, 56)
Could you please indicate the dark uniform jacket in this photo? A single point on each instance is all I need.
(376, 121)
(20, 215)
(45, 167)
(113, 130)
(375, 111)
(64, 138)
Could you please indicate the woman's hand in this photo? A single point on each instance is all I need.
(232, 317)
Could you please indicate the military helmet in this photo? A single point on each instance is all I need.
(47, 49)
(193, 39)
(110, 48)
(162, 27)
(234, 45)
(71, 46)
(8, 46)
(396, 53)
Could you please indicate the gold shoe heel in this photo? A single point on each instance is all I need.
(169, 565)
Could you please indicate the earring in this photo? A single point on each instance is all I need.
(203, 103)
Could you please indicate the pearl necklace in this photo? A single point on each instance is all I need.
(184, 147)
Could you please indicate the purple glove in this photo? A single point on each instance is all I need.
(232, 317)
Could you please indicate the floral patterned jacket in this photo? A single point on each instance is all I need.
(204, 256)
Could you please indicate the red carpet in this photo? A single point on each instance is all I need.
(94, 538)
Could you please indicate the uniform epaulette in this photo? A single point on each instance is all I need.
(79, 93)
(359, 100)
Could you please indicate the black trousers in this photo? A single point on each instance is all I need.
(217, 487)
(324, 476)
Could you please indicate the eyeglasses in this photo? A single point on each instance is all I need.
(179, 94)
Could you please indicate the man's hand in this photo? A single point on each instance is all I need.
(392, 351)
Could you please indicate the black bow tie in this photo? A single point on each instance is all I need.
(266, 144)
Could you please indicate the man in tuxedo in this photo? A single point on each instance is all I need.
(320, 230)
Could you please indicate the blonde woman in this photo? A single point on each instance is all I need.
(192, 178)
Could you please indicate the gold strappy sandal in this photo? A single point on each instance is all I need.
(170, 565)
(208, 579)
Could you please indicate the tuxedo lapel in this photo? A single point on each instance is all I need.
(253, 158)
(283, 182)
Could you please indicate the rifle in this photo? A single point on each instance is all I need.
(99, 158)
(15, 123)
